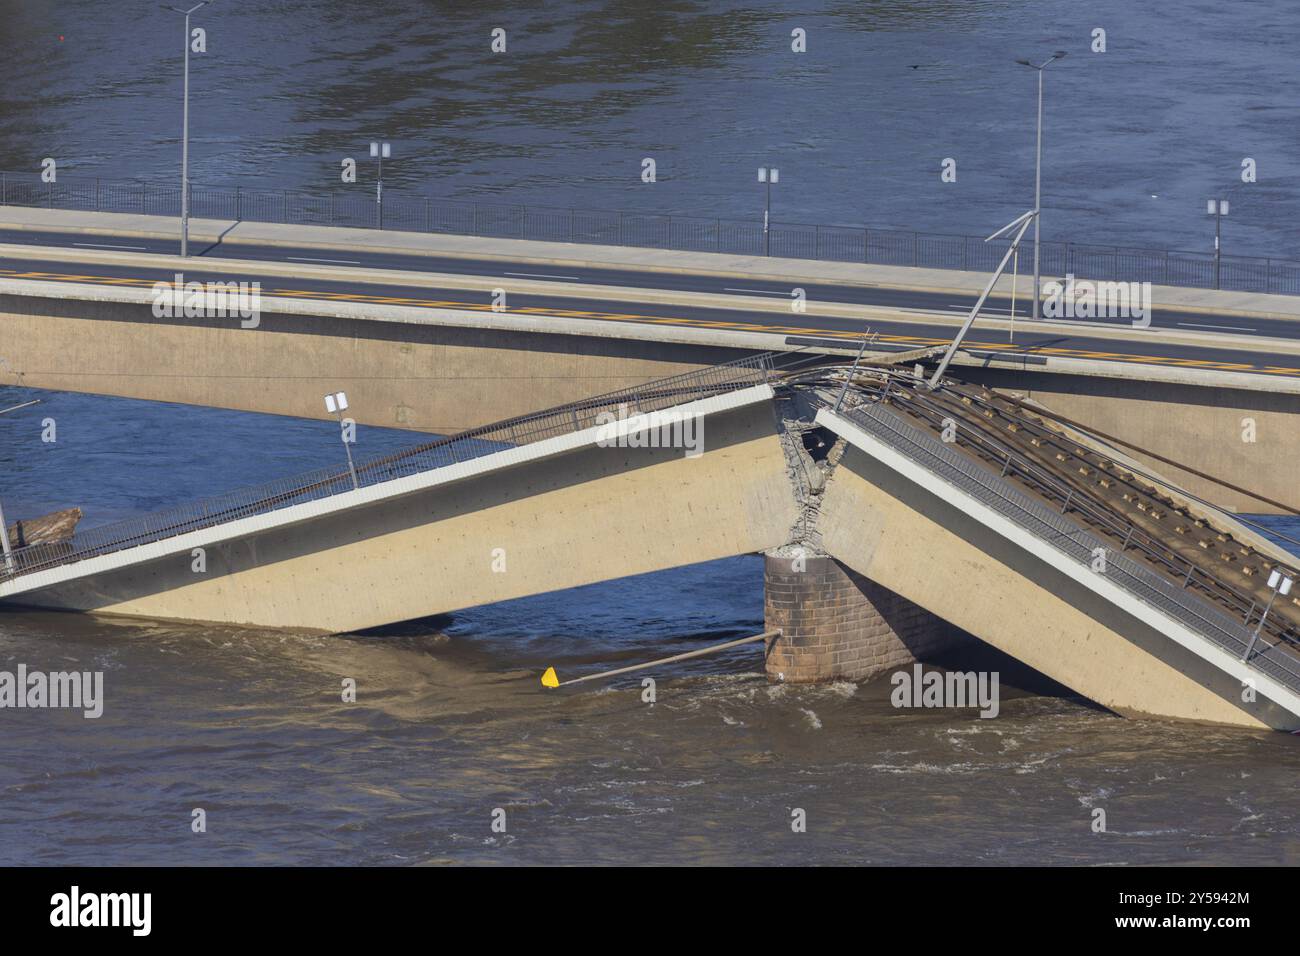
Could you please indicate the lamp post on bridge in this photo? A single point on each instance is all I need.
(769, 176)
(337, 403)
(1280, 584)
(1218, 208)
(380, 151)
(185, 132)
(1036, 307)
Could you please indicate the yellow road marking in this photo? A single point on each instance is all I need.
(848, 336)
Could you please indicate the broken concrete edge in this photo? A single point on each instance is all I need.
(1050, 555)
(677, 334)
(395, 488)
(584, 255)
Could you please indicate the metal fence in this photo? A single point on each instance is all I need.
(654, 231)
(326, 482)
(1278, 659)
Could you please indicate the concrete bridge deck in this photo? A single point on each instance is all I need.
(429, 352)
(537, 503)
(996, 533)
(1009, 548)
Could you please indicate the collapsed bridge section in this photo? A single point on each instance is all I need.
(1060, 552)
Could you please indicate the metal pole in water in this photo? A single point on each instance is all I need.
(14, 408)
(550, 680)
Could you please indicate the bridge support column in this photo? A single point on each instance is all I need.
(837, 625)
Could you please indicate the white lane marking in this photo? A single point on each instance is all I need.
(100, 245)
(338, 262)
(539, 275)
(1225, 328)
(759, 291)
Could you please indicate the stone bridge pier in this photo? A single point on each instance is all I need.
(838, 625)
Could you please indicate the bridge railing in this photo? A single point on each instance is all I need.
(1278, 655)
(428, 456)
(651, 230)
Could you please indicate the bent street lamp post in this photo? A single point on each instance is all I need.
(185, 133)
(1022, 221)
(1035, 311)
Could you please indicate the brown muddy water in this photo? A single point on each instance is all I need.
(450, 726)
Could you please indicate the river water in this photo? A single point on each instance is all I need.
(1137, 138)
(450, 723)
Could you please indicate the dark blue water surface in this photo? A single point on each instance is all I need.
(1138, 137)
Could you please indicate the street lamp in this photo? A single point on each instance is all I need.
(185, 133)
(769, 176)
(1281, 584)
(1218, 208)
(337, 403)
(1036, 308)
(381, 152)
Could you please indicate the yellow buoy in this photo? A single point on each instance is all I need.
(549, 679)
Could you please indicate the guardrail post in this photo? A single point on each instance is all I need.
(717, 237)
(331, 209)
(866, 245)
(285, 215)
(4, 189)
(96, 194)
(916, 249)
(239, 205)
(428, 215)
(620, 229)
(474, 228)
(570, 223)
